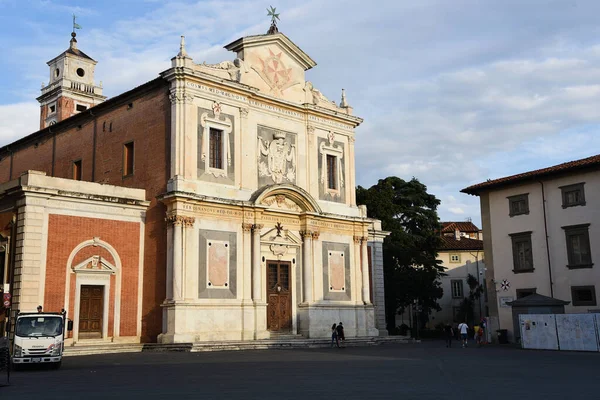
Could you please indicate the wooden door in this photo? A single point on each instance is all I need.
(91, 308)
(279, 296)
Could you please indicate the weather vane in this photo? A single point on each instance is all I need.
(271, 12)
(75, 24)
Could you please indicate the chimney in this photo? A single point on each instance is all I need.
(456, 234)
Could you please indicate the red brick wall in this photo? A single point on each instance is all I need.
(65, 233)
(38, 156)
(147, 123)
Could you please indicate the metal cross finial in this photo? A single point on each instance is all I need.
(272, 13)
(279, 228)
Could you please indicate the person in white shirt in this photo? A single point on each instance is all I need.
(464, 329)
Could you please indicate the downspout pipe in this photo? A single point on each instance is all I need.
(547, 244)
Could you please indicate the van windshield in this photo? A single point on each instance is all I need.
(39, 326)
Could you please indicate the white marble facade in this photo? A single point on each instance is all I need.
(264, 234)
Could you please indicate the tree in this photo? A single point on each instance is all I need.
(466, 312)
(411, 268)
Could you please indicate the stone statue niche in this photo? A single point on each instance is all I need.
(276, 154)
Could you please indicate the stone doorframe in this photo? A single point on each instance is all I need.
(97, 277)
(284, 247)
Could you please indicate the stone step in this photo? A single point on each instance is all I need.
(263, 344)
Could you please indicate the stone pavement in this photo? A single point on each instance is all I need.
(409, 371)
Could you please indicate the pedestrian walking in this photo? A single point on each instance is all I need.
(449, 332)
(340, 334)
(464, 330)
(334, 337)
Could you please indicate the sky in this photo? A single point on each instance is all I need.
(452, 92)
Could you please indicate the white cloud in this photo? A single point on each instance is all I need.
(451, 92)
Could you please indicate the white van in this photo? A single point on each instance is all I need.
(39, 338)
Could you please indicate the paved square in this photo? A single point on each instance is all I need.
(414, 371)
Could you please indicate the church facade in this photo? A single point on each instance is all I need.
(216, 202)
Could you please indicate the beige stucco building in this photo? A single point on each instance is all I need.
(461, 255)
(541, 231)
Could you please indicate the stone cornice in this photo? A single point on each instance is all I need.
(247, 93)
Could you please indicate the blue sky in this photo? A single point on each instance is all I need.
(452, 92)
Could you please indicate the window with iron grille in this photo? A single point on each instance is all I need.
(332, 172)
(216, 148)
(583, 295)
(457, 288)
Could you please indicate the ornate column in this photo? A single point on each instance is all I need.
(256, 263)
(365, 272)
(247, 261)
(358, 270)
(307, 267)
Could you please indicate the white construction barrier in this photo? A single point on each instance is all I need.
(575, 332)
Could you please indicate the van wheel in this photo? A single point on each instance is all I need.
(57, 365)
(16, 367)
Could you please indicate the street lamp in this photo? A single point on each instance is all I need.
(417, 309)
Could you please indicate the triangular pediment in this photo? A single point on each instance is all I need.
(273, 64)
(95, 264)
(284, 238)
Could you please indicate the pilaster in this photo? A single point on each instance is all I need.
(357, 282)
(366, 295)
(307, 267)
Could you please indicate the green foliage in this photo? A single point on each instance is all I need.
(466, 313)
(411, 268)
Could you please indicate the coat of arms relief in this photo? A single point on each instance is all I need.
(277, 158)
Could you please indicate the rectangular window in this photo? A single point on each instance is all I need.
(52, 108)
(578, 246)
(525, 292)
(77, 170)
(518, 205)
(457, 288)
(128, 159)
(522, 254)
(216, 149)
(455, 258)
(331, 172)
(573, 195)
(80, 107)
(583, 295)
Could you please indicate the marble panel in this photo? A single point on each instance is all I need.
(328, 293)
(211, 265)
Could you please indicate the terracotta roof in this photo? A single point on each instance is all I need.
(571, 166)
(78, 53)
(464, 226)
(450, 243)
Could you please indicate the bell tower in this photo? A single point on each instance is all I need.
(71, 89)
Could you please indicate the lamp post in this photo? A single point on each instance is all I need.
(417, 309)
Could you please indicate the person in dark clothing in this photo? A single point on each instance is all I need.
(449, 333)
(340, 333)
(334, 338)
